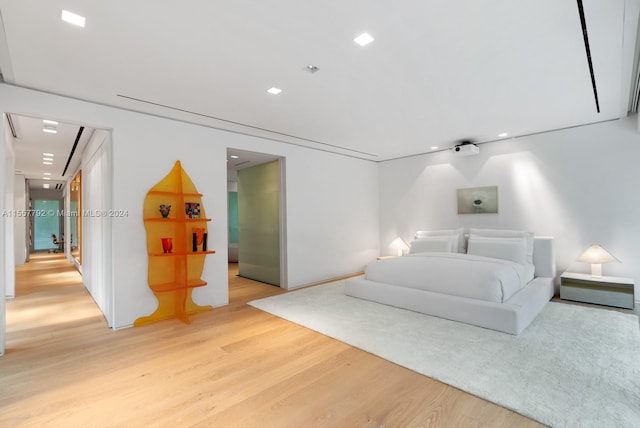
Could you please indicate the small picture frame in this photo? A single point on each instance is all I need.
(192, 209)
(478, 200)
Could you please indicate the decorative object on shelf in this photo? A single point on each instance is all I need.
(164, 210)
(596, 256)
(174, 271)
(167, 245)
(478, 200)
(192, 209)
(198, 237)
(399, 245)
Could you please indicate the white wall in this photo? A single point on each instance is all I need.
(332, 200)
(96, 229)
(21, 244)
(7, 168)
(578, 185)
(332, 208)
(47, 194)
(9, 213)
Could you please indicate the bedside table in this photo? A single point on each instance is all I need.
(602, 290)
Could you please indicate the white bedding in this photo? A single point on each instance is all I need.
(455, 274)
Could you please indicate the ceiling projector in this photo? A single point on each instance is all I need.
(466, 148)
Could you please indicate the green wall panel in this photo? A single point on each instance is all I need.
(46, 224)
(233, 217)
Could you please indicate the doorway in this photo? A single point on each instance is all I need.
(257, 216)
(47, 153)
(75, 220)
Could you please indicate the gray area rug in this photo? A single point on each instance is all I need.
(572, 367)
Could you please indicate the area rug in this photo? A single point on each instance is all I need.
(572, 367)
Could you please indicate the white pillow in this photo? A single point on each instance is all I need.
(513, 249)
(504, 233)
(459, 244)
(433, 244)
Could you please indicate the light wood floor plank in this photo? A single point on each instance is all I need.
(235, 366)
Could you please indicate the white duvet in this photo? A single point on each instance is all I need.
(457, 274)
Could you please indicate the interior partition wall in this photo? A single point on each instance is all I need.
(259, 234)
(7, 168)
(20, 229)
(96, 238)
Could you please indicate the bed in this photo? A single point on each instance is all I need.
(501, 281)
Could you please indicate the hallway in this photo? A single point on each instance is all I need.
(50, 302)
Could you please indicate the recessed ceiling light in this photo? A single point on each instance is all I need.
(48, 154)
(45, 186)
(503, 134)
(47, 163)
(274, 90)
(48, 159)
(49, 122)
(72, 18)
(49, 130)
(46, 178)
(234, 157)
(46, 173)
(434, 147)
(364, 39)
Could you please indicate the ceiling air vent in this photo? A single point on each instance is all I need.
(585, 36)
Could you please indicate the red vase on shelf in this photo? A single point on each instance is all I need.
(167, 245)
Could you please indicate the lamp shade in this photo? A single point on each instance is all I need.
(399, 245)
(596, 254)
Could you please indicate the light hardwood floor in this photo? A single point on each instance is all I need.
(235, 366)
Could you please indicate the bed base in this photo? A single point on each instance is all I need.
(512, 316)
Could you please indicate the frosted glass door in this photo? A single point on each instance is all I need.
(259, 223)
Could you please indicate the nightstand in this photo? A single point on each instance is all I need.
(602, 290)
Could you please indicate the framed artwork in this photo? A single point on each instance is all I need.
(192, 209)
(478, 200)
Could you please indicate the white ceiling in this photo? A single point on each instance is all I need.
(438, 71)
(241, 159)
(32, 145)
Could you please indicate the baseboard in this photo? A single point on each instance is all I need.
(326, 281)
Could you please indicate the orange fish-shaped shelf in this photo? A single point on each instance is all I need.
(176, 226)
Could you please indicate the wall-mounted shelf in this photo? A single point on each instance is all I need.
(175, 270)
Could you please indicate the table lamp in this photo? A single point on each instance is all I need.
(596, 255)
(400, 245)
